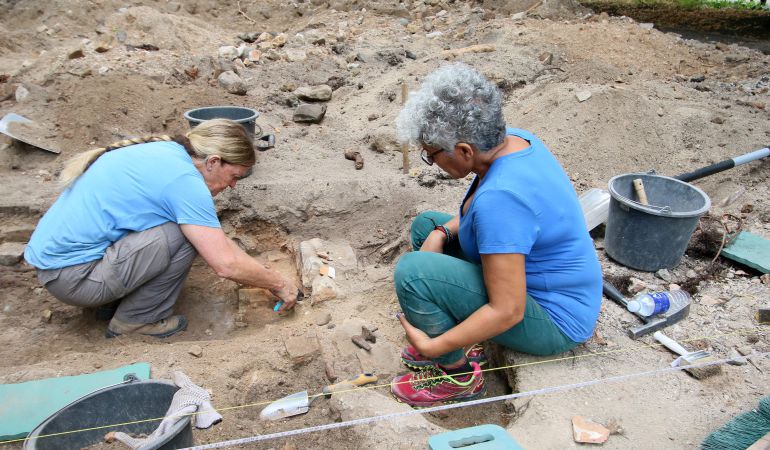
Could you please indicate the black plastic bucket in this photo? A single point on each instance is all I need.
(244, 116)
(123, 403)
(655, 236)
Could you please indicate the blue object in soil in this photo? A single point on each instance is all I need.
(278, 305)
(482, 437)
(244, 116)
(24, 405)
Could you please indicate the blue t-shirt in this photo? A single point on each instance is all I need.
(128, 189)
(526, 204)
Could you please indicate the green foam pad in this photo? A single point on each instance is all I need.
(750, 250)
(23, 406)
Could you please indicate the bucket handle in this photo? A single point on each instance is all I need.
(660, 209)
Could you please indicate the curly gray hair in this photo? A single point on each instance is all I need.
(454, 104)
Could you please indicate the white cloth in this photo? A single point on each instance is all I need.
(190, 399)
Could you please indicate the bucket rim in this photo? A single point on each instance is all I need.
(31, 439)
(657, 210)
(252, 117)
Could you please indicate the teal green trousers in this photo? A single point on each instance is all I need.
(438, 291)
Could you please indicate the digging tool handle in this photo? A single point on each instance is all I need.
(613, 294)
(670, 343)
(640, 192)
(724, 165)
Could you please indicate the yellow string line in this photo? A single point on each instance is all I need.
(747, 331)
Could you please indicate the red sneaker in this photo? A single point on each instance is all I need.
(433, 387)
(414, 360)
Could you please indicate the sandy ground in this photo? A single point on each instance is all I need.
(657, 101)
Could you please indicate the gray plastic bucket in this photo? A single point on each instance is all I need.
(122, 403)
(655, 236)
(244, 116)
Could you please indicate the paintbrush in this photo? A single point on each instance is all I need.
(688, 358)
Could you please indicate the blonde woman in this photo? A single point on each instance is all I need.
(124, 232)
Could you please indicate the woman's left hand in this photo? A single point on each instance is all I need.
(419, 340)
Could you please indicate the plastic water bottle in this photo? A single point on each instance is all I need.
(658, 302)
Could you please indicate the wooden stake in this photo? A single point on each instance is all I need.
(405, 147)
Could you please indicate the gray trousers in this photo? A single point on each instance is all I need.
(143, 270)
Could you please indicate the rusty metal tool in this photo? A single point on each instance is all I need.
(651, 324)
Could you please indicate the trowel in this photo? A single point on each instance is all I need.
(299, 403)
(11, 118)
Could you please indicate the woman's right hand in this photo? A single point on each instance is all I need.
(434, 242)
(288, 293)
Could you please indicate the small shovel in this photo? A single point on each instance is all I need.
(11, 118)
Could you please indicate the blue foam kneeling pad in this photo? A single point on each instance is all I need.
(482, 437)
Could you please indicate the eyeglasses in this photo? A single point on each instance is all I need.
(428, 157)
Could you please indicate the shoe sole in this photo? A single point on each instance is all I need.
(444, 402)
(109, 334)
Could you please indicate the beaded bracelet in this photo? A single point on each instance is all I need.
(449, 236)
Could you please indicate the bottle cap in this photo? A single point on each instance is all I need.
(634, 306)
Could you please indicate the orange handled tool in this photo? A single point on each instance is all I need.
(359, 380)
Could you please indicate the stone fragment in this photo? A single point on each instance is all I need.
(295, 55)
(368, 334)
(232, 83)
(279, 40)
(323, 289)
(301, 349)
(664, 275)
(583, 95)
(309, 113)
(324, 319)
(196, 351)
(315, 37)
(228, 52)
(77, 53)
(718, 120)
(636, 286)
(11, 253)
(384, 142)
(736, 358)
(253, 55)
(646, 26)
(21, 93)
(16, 233)
(588, 432)
(47, 314)
(361, 342)
(321, 92)
(264, 37)
(330, 375)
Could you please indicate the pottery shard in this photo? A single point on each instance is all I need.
(587, 431)
(309, 113)
(321, 92)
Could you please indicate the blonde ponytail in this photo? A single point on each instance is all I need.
(80, 163)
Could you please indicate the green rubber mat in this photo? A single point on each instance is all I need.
(23, 406)
(750, 250)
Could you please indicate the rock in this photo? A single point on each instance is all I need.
(47, 314)
(323, 319)
(519, 15)
(664, 275)
(426, 179)
(736, 359)
(253, 55)
(301, 349)
(384, 359)
(264, 37)
(21, 93)
(323, 289)
(11, 253)
(647, 26)
(321, 92)
(368, 334)
(16, 233)
(361, 342)
(391, 433)
(228, 52)
(410, 54)
(717, 120)
(383, 141)
(232, 83)
(295, 55)
(343, 258)
(583, 95)
(636, 285)
(309, 113)
(691, 274)
(698, 78)
(196, 351)
(315, 37)
(279, 40)
(75, 54)
(587, 431)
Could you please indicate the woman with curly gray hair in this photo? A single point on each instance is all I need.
(515, 265)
